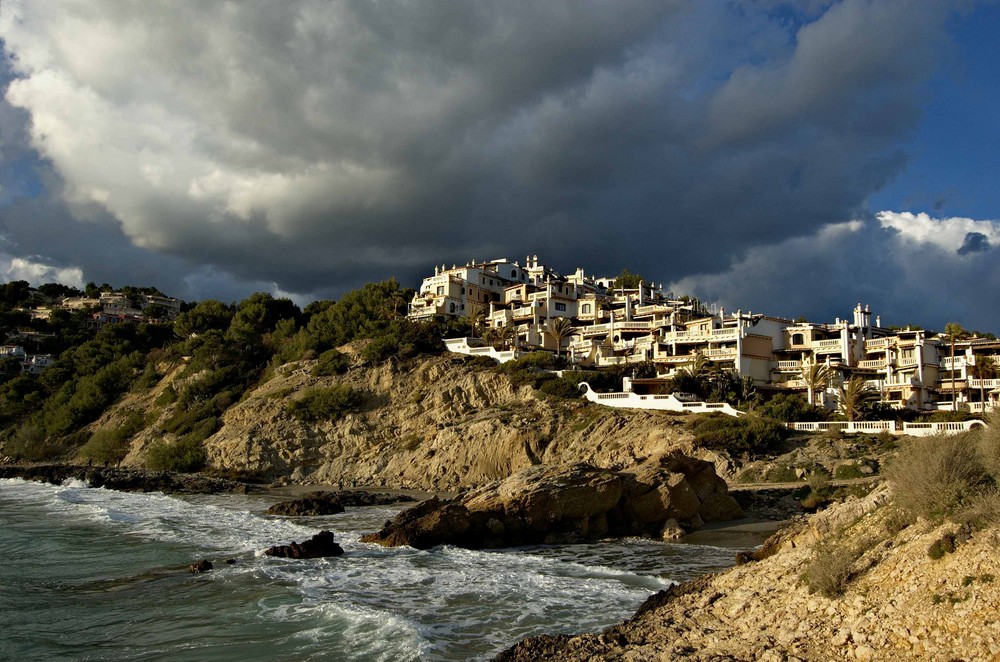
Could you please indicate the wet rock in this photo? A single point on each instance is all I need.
(320, 545)
(331, 503)
(200, 566)
(570, 503)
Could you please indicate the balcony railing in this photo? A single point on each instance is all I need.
(729, 352)
(826, 344)
(984, 383)
(719, 335)
(788, 365)
(876, 343)
(876, 364)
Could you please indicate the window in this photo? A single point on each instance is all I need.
(463, 289)
(797, 339)
(451, 308)
(586, 309)
(513, 274)
(440, 289)
(561, 306)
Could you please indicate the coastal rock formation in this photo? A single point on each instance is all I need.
(435, 423)
(320, 545)
(570, 503)
(200, 566)
(317, 504)
(125, 479)
(898, 602)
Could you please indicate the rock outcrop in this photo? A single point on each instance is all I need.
(317, 504)
(320, 545)
(898, 602)
(126, 479)
(434, 423)
(661, 497)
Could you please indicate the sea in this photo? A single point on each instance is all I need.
(95, 574)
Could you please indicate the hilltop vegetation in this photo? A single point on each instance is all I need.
(223, 350)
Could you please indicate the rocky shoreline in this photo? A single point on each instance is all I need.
(129, 480)
(901, 602)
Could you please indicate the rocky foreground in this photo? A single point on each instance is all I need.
(897, 602)
(665, 496)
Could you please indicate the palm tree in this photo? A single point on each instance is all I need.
(560, 328)
(853, 398)
(954, 331)
(477, 317)
(816, 376)
(504, 335)
(984, 368)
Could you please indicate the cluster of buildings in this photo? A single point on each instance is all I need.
(108, 308)
(517, 308)
(118, 308)
(30, 363)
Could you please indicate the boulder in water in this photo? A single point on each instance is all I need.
(320, 545)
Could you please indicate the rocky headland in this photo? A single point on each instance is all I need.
(663, 497)
(127, 479)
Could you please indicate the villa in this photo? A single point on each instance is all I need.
(517, 308)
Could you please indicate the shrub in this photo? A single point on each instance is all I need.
(830, 570)
(561, 387)
(112, 444)
(792, 408)
(934, 477)
(848, 471)
(326, 404)
(187, 454)
(29, 442)
(747, 435)
(331, 362)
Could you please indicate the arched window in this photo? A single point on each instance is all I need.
(797, 339)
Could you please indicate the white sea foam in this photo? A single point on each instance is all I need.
(386, 603)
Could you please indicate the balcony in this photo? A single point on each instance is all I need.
(876, 343)
(876, 364)
(717, 354)
(826, 346)
(716, 335)
(984, 383)
(907, 362)
(788, 366)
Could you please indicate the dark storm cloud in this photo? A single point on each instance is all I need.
(317, 145)
(975, 242)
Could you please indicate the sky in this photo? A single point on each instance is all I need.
(787, 158)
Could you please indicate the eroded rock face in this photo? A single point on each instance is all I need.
(320, 545)
(570, 503)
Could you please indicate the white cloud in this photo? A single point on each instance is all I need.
(910, 269)
(39, 273)
(949, 234)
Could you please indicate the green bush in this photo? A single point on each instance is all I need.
(561, 387)
(112, 444)
(791, 409)
(186, 455)
(326, 404)
(746, 435)
(849, 471)
(331, 362)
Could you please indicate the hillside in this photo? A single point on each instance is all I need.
(434, 423)
(900, 600)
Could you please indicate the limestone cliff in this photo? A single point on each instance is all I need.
(433, 423)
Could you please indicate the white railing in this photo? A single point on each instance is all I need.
(720, 353)
(702, 336)
(984, 383)
(946, 362)
(906, 362)
(670, 402)
(788, 365)
(876, 343)
(876, 364)
(980, 407)
(826, 344)
(869, 427)
(595, 329)
(847, 427)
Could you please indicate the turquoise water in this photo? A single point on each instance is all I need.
(93, 574)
